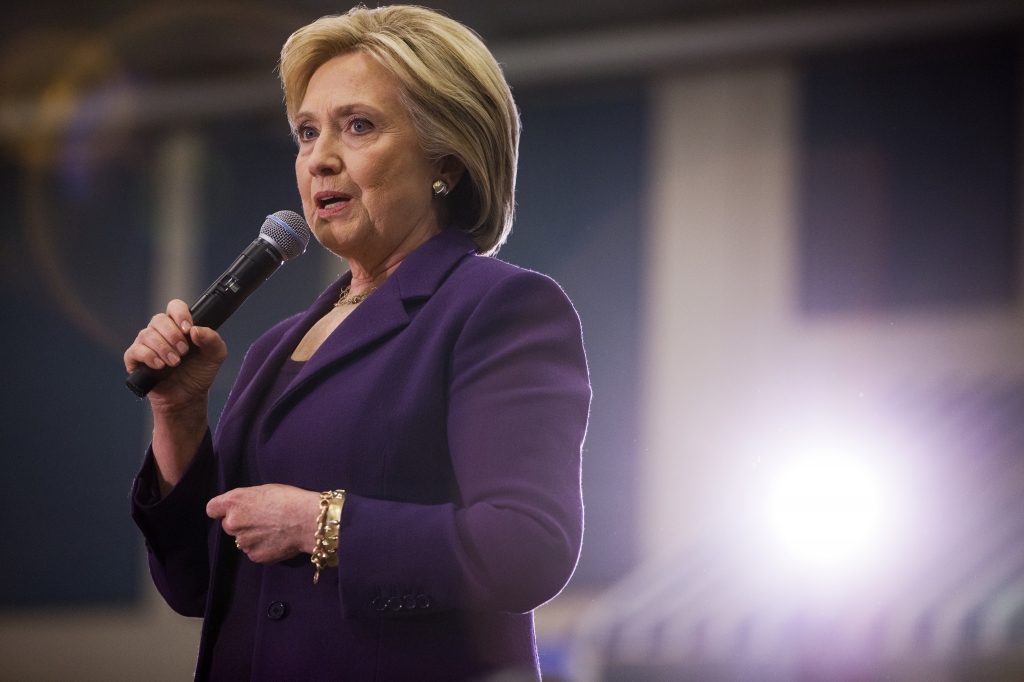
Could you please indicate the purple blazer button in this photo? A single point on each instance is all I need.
(408, 602)
(379, 604)
(394, 604)
(277, 610)
(422, 601)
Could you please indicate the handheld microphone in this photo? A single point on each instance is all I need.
(283, 236)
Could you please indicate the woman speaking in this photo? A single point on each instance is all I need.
(394, 484)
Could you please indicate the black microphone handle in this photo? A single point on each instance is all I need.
(251, 269)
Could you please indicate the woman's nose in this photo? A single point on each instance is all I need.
(324, 158)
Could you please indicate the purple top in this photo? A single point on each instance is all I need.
(451, 406)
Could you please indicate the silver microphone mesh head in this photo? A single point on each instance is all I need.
(287, 231)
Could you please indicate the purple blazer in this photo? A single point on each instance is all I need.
(451, 406)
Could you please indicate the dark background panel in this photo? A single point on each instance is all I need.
(580, 220)
(70, 438)
(910, 177)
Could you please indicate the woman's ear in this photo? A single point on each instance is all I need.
(450, 169)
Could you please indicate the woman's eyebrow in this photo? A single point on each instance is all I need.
(346, 109)
(342, 110)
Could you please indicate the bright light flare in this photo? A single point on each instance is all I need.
(826, 508)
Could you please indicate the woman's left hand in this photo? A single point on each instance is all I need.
(270, 523)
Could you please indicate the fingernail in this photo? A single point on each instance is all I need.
(172, 359)
(185, 326)
(159, 363)
(182, 347)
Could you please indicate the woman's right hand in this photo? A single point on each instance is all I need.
(165, 342)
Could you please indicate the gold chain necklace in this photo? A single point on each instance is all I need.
(347, 299)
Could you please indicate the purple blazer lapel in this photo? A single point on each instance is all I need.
(236, 421)
(375, 318)
(382, 314)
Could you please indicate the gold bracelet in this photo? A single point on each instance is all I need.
(326, 551)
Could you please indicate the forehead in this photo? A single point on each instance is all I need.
(349, 79)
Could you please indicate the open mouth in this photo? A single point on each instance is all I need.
(330, 199)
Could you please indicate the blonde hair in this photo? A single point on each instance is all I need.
(455, 92)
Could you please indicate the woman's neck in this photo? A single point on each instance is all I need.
(367, 276)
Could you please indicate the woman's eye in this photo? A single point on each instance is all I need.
(360, 126)
(306, 133)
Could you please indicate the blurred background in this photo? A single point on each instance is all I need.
(792, 230)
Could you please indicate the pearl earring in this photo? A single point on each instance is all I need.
(440, 188)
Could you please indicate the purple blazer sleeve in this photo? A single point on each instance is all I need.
(517, 414)
(176, 529)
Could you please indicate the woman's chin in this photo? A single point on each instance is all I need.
(344, 243)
